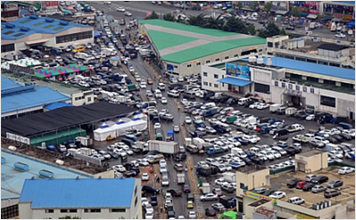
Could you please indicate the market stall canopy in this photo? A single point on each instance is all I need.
(61, 70)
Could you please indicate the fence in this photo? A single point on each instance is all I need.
(273, 172)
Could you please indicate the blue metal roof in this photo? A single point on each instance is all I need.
(235, 81)
(65, 193)
(7, 83)
(12, 180)
(345, 2)
(26, 26)
(21, 97)
(57, 105)
(312, 67)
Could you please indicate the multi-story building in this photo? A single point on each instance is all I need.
(9, 11)
(340, 10)
(286, 81)
(84, 198)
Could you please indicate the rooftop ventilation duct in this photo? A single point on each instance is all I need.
(11, 26)
(49, 20)
(34, 17)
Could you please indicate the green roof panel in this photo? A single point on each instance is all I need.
(190, 28)
(211, 48)
(164, 40)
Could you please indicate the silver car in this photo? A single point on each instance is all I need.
(318, 188)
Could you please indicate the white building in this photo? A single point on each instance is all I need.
(85, 198)
(286, 81)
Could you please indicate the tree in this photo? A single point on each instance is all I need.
(282, 32)
(235, 25)
(153, 15)
(268, 7)
(295, 11)
(214, 23)
(270, 30)
(254, 6)
(197, 20)
(168, 17)
(251, 29)
(239, 5)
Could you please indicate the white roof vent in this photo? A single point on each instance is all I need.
(269, 61)
(260, 60)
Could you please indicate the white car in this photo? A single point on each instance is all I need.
(340, 35)
(254, 105)
(276, 154)
(168, 196)
(209, 197)
(188, 120)
(256, 137)
(143, 85)
(310, 117)
(144, 201)
(268, 154)
(346, 170)
(145, 177)
(128, 150)
(128, 13)
(192, 215)
(321, 139)
(120, 152)
(157, 125)
(121, 9)
(149, 215)
(149, 207)
(164, 100)
(180, 79)
(262, 105)
(119, 168)
(220, 181)
(349, 132)
(249, 139)
(278, 195)
(162, 163)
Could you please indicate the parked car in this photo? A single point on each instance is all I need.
(296, 200)
(210, 212)
(308, 186)
(320, 179)
(331, 193)
(209, 197)
(292, 183)
(318, 188)
(346, 170)
(278, 195)
(335, 183)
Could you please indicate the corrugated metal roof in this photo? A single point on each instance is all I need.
(26, 26)
(235, 81)
(8, 84)
(312, 67)
(22, 98)
(65, 193)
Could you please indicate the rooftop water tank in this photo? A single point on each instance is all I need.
(252, 59)
(260, 60)
(269, 61)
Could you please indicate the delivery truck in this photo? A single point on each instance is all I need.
(163, 146)
(180, 178)
(206, 188)
(230, 177)
(274, 107)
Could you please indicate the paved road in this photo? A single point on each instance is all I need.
(140, 9)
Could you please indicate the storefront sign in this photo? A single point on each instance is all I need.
(239, 71)
(10, 7)
(257, 196)
(313, 11)
(18, 138)
(348, 17)
(338, 15)
(49, 4)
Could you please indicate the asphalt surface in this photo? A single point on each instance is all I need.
(140, 9)
(147, 71)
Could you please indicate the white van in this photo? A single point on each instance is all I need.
(208, 105)
(242, 101)
(82, 56)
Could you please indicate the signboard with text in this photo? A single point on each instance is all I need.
(18, 138)
(257, 196)
(239, 71)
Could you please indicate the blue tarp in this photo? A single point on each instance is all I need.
(351, 24)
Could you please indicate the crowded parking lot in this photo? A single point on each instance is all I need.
(195, 140)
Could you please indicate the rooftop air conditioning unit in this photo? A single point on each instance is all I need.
(10, 26)
(34, 17)
(64, 23)
(49, 20)
(25, 29)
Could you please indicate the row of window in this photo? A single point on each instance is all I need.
(7, 48)
(85, 210)
(10, 212)
(82, 97)
(74, 37)
(215, 85)
(208, 61)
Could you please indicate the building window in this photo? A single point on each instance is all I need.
(176, 67)
(72, 210)
(136, 201)
(226, 58)
(275, 83)
(312, 90)
(118, 210)
(89, 99)
(283, 85)
(7, 48)
(74, 37)
(64, 210)
(276, 45)
(290, 86)
(10, 211)
(205, 74)
(262, 88)
(236, 55)
(217, 59)
(216, 76)
(210, 84)
(198, 64)
(95, 210)
(222, 76)
(305, 89)
(49, 211)
(297, 88)
(205, 83)
(86, 210)
(269, 44)
(242, 185)
(328, 101)
(208, 61)
(216, 85)
(223, 85)
(189, 65)
(135, 190)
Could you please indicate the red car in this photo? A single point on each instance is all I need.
(300, 184)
